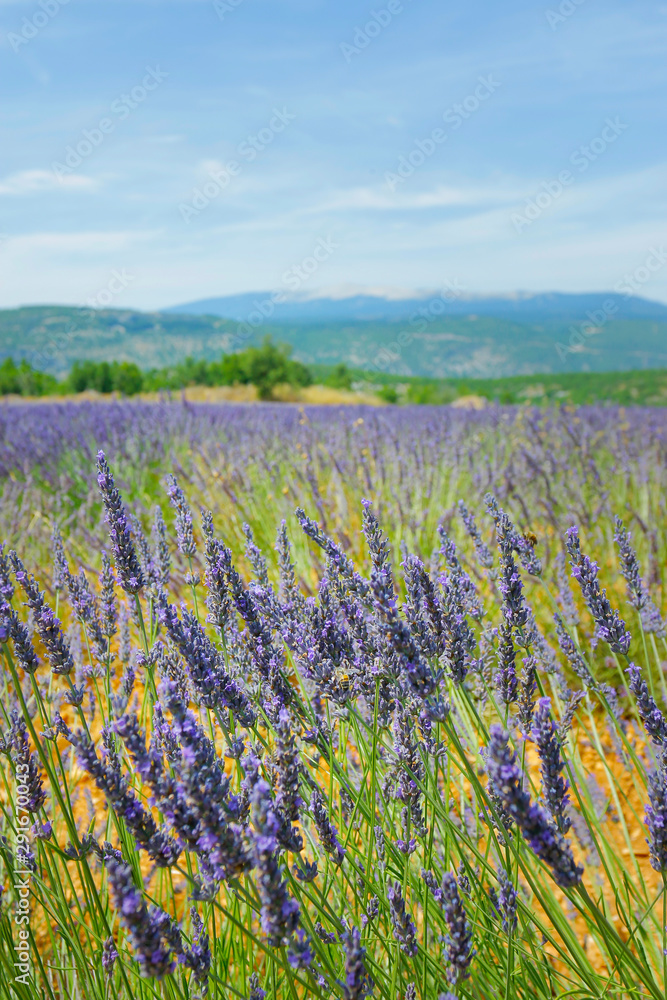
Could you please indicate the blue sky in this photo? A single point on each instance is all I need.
(218, 142)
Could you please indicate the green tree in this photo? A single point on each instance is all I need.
(127, 378)
(339, 378)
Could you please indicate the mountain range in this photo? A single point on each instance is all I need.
(427, 334)
(392, 307)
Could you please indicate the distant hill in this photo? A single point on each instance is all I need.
(521, 307)
(441, 346)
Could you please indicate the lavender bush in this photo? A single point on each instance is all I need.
(391, 746)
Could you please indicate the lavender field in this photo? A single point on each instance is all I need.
(317, 702)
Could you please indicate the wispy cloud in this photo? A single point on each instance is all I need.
(26, 182)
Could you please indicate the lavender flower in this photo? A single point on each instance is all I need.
(656, 817)
(574, 699)
(60, 567)
(256, 992)
(565, 598)
(162, 558)
(653, 719)
(108, 602)
(484, 556)
(86, 608)
(357, 983)
(507, 902)
(527, 689)
(206, 667)
(300, 954)
(511, 587)
(6, 585)
(638, 594)
(326, 831)
(288, 800)
(459, 939)
(218, 565)
(158, 845)
(289, 589)
(401, 923)
(30, 791)
(24, 650)
(554, 786)
(150, 929)
(506, 782)
(608, 624)
(109, 956)
(125, 555)
(506, 680)
(184, 533)
(198, 958)
(280, 912)
(46, 623)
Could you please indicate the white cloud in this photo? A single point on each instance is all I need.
(35, 181)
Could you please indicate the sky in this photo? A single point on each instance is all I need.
(155, 152)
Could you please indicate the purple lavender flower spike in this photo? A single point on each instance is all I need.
(108, 602)
(162, 557)
(218, 565)
(574, 657)
(357, 983)
(198, 958)
(565, 598)
(507, 902)
(609, 626)
(24, 651)
(256, 991)
(145, 831)
(528, 687)
(505, 679)
(511, 586)
(401, 923)
(184, 532)
(125, 555)
(206, 667)
(638, 594)
(506, 782)
(554, 786)
(656, 817)
(48, 627)
(653, 719)
(86, 608)
(327, 832)
(31, 794)
(60, 567)
(459, 939)
(288, 800)
(6, 585)
(280, 912)
(109, 956)
(484, 556)
(150, 930)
